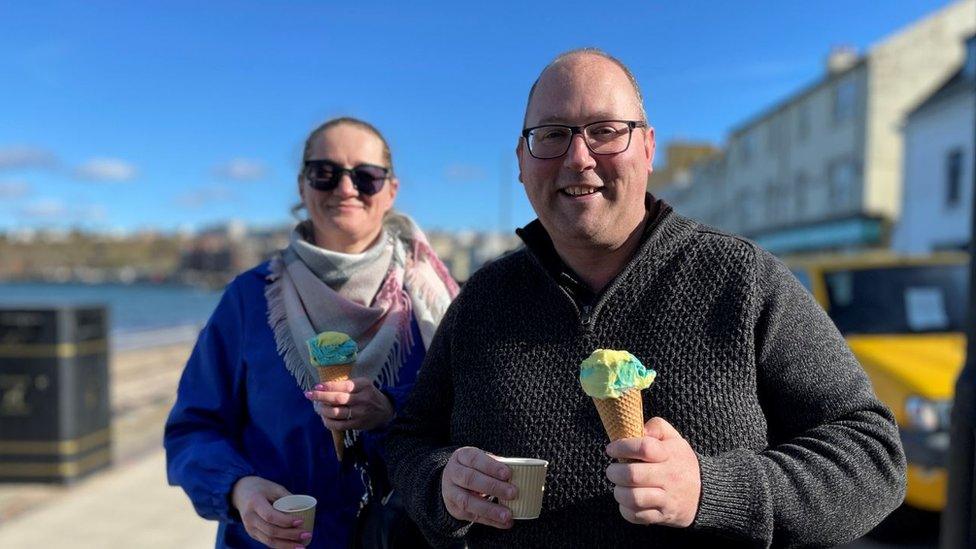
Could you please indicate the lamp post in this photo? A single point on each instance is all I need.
(959, 516)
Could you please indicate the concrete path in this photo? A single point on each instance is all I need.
(129, 506)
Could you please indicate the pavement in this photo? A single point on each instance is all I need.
(127, 506)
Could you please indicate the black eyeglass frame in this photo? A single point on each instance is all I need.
(574, 130)
(368, 188)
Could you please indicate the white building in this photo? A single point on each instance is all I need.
(822, 169)
(939, 155)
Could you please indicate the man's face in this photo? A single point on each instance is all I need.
(577, 91)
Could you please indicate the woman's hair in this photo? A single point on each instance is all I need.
(326, 126)
(387, 157)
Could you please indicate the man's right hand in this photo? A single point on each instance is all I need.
(469, 479)
(253, 496)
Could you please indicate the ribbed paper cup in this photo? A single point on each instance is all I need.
(299, 506)
(529, 475)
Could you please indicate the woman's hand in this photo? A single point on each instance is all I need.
(253, 496)
(352, 404)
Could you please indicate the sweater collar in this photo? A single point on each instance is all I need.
(539, 243)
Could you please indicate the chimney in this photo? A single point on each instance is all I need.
(840, 59)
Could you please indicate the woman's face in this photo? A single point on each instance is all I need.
(344, 219)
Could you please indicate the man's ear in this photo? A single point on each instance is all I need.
(650, 146)
(519, 152)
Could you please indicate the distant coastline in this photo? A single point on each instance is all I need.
(140, 315)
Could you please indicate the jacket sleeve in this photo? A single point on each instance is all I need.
(835, 466)
(418, 445)
(203, 429)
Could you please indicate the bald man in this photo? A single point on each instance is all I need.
(764, 429)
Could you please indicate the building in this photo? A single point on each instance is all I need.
(680, 157)
(939, 156)
(822, 169)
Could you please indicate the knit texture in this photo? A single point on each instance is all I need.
(794, 447)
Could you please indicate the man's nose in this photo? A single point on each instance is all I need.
(579, 157)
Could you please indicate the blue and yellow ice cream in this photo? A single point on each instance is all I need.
(609, 374)
(332, 348)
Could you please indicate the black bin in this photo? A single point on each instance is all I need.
(54, 396)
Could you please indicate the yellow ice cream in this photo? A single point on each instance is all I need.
(608, 374)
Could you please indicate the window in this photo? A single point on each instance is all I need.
(803, 122)
(953, 171)
(842, 176)
(747, 146)
(970, 66)
(800, 195)
(845, 100)
(898, 300)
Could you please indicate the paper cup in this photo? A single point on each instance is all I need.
(299, 506)
(529, 475)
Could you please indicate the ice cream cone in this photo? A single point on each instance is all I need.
(338, 372)
(622, 417)
(615, 379)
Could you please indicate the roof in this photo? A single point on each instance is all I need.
(794, 98)
(957, 84)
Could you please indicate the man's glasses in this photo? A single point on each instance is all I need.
(324, 175)
(603, 137)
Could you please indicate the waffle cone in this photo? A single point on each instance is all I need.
(339, 372)
(622, 417)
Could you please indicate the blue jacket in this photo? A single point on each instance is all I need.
(239, 412)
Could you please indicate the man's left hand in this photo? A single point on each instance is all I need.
(663, 485)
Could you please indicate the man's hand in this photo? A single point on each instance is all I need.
(253, 496)
(352, 404)
(664, 485)
(469, 479)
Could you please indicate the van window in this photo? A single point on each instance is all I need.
(911, 299)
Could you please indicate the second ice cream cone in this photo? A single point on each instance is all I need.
(333, 355)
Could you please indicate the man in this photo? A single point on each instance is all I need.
(764, 430)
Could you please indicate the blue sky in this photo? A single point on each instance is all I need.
(132, 115)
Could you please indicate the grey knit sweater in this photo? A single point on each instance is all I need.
(794, 447)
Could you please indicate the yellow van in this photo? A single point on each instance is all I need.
(904, 318)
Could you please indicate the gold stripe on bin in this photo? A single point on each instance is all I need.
(57, 447)
(64, 470)
(53, 350)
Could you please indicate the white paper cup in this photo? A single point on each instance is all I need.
(299, 506)
(529, 475)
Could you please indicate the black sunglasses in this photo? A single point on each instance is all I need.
(324, 175)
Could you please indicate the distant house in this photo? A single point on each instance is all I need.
(939, 155)
(822, 169)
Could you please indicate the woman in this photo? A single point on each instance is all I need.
(244, 430)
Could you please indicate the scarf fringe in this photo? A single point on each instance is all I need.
(277, 319)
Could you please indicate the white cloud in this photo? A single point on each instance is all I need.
(20, 157)
(45, 209)
(241, 169)
(205, 195)
(106, 169)
(10, 190)
(464, 173)
(55, 210)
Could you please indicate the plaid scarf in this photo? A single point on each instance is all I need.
(370, 296)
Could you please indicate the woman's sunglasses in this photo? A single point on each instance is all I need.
(324, 175)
